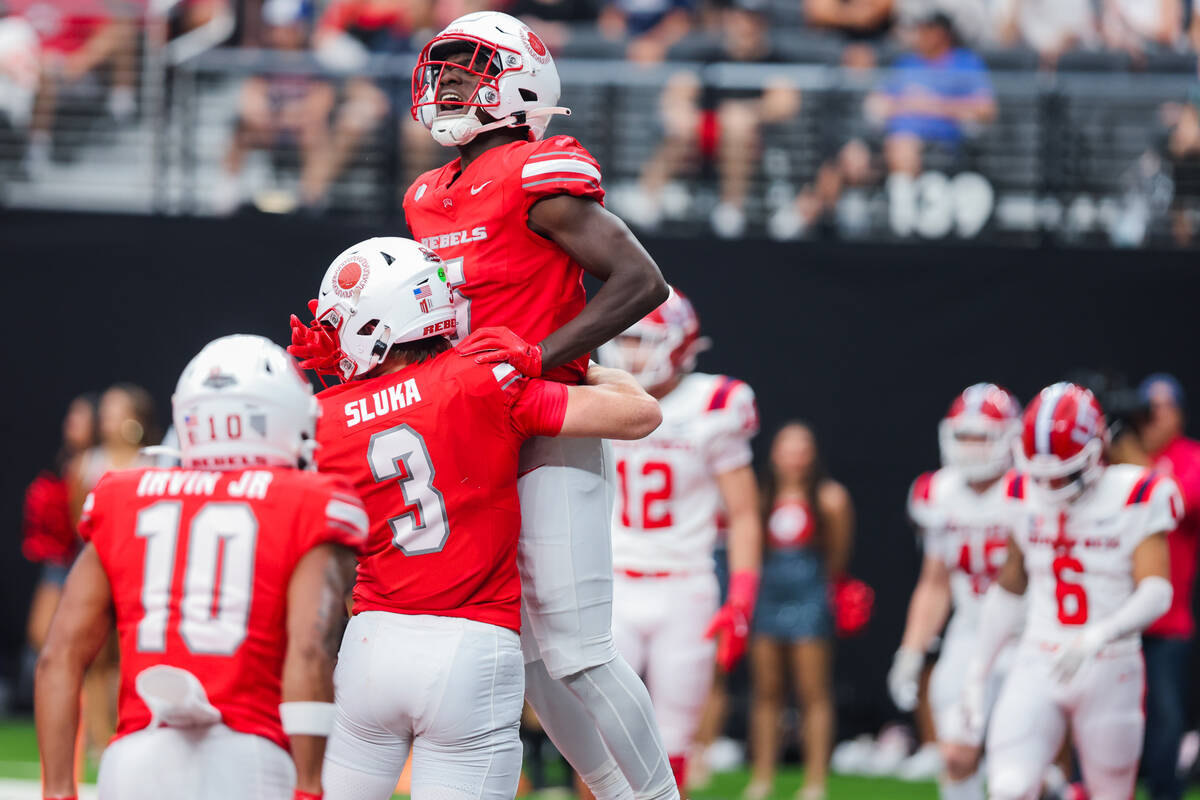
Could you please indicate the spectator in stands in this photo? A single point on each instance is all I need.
(554, 19)
(78, 39)
(857, 19)
(723, 125)
(281, 111)
(809, 526)
(1137, 25)
(932, 96)
(1180, 151)
(1167, 643)
(650, 26)
(1051, 27)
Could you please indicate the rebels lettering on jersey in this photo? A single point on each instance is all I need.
(432, 450)
(199, 564)
(477, 220)
(966, 530)
(1080, 559)
(668, 499)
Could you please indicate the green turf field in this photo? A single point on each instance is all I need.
(19, 756)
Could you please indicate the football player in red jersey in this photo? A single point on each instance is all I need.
(225, 579)
(518, 220)
(431, 660)
(1089, 553)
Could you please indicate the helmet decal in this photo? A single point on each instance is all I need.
(351, 276)
(536, 47)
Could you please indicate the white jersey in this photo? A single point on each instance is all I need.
(966, 530)
(1079, 558)
(665, 517)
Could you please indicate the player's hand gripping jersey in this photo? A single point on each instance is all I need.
(432, 450)
(199, 564)
(667, 494)
(1079, 558)
(965, 530)
(502, 272)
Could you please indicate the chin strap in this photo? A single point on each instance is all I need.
(462, 128)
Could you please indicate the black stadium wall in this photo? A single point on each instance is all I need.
(870, 343)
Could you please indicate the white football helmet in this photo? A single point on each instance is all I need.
(241, 402)
(660, 346)
(516, 81)
(977, 433)
(382, 292)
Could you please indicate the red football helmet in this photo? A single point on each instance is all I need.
(1062, 442)
(977, 432)
(661, 345)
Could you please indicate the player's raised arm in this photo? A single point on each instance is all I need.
(611, 406)
(604, 246)
(78, 631)
(316, 619)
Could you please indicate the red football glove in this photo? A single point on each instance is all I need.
(500, 344)
(313, 346)
(731, 624)
(852, 602)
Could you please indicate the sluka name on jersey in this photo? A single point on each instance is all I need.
(385, 401)
(457, 237)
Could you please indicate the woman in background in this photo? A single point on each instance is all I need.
(48, 530)
(809, 529)
(127, 424)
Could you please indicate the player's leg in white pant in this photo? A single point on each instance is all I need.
(633, 620)
(195, 764)
(945, 692)
(1026, 730)
(1107, 723)
(565, 558)
(681, 660)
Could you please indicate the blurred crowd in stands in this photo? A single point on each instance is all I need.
(935, 98)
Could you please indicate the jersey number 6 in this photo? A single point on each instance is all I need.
(400, 454)
(1072, 598)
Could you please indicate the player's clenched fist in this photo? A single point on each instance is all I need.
(731, 624)
(493, 345)
(312, 345)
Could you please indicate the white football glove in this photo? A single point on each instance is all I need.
(1083, 647)
(903, 678)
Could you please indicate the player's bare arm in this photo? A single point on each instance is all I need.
(739, 491)
(611, 406)
(929, 606)
(604, 246)
(316, 619)
(79, 629)
(1012, 576)
(1151, 558)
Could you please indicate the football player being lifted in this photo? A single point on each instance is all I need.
(963, 519)
(225, 580)
(518, 219)
(670, 487)
(431, 661)
(1089, 554)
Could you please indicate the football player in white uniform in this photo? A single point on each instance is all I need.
(670, 487)
(1089, 551)
(963, 518)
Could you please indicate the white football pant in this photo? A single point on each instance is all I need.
(593, 706)
(195, 764)
(659, 626)
(450, 689)
(1102, 705)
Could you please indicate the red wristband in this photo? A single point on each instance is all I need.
(59, 797)
(299, 795)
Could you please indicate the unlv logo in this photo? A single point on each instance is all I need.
(536, 47)
(350, 276)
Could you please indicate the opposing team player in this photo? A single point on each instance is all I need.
(518, 219)
(1089, 550)
(964, 519)
(670, 487)
(225, 579)
(431, 660)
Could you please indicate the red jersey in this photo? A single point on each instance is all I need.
(477, 221)
(1181, 460)
(432, 450)
(199, 563)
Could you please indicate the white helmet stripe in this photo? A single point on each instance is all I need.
(973, 398)
(1045, 417)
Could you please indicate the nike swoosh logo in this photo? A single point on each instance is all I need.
(477, 189)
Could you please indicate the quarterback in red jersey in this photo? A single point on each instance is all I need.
(518, 220)
(224, 578)
(431, 439)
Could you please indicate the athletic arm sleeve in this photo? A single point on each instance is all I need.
(540, 408)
